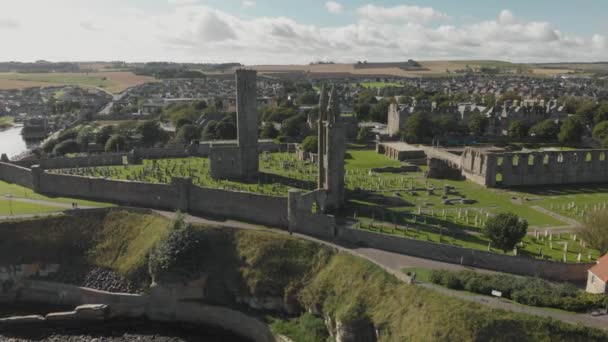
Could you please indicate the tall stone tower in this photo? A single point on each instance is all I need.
(247, 120)
(323, 101)
(332, 150)
(240, 161)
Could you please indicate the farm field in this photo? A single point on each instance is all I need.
(434, 68)
(113, 82)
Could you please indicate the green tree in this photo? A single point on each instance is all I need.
(269, 132)
(104, 134)
(546, 130)
(364, 134)
(209, 132)
(182, 122)
(310, 144)
(505, 230)
(379, 112)
(595, 230)
(571, 131)
(362, 111)
(509, 96)
(600, 131)
(601, 113)
(65, 147)
(151, 133)
(293, 127)
(187, 133)
(116, 143)
(85, 137)
(585, 109)
(308, 98)
(517, 130)
(417, 128)
(477, 124)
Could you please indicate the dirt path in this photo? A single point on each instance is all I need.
(568, 220)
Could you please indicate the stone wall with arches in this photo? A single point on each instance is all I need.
(535, 168)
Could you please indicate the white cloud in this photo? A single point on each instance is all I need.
(599, 41)
(8, 24)
(198, 33)
(404, 13)
(182, 2)
(248, 4)
(89, 26)
(334, 7)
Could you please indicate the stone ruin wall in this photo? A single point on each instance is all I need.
(535, 168)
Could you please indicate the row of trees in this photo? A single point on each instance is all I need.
(111, 137)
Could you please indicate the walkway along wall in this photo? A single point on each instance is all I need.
(468, 257)
(181, 194)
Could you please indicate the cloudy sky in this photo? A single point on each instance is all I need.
(293, 31)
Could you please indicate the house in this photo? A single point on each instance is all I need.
(598, 276)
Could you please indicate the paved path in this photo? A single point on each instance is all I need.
(394, 263)
(47, 203)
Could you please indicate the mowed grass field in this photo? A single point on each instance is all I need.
(8, 190)
(113, 82)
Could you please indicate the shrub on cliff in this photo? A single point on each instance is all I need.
(172, 253)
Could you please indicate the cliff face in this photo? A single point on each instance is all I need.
(265, 274)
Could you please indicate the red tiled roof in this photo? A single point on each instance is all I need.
(601, 269)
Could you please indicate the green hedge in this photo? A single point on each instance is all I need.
(528, 291)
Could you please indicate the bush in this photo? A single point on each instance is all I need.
(311, 144)
(527, 291)
(451, 281)
(172, 253)
(436, 276)
(65, 147)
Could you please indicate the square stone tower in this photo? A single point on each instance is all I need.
(240, 161)
(247, 120)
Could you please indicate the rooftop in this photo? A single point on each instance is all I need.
(601, 269)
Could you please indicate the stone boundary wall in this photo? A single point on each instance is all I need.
(468, 257)
(88, 161)
(159, 196)
(153, 307)
(244, 206)
(16, 174)
(181, 194)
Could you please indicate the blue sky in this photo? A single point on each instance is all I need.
(291, 32)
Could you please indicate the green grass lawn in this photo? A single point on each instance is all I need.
(6, 122)
(8, 208)
(396, 199)
(22, 192)
(532, 247)
(63, 78)
(422, 274)
(378, 85)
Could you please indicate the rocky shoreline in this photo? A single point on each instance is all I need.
(94, 278)
(119, 331)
